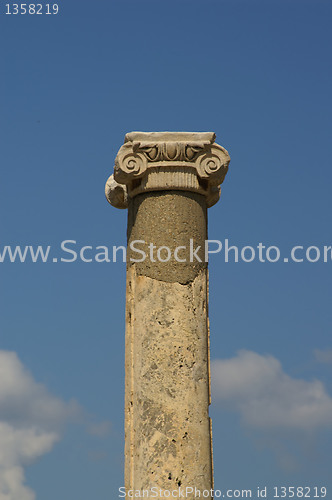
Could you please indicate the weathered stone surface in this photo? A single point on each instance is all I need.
(116, 193)
(155, 161)
(168, 441)
(170, 219)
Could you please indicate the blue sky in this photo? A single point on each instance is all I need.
(256, 73)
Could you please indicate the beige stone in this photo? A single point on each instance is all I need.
(167, 425)
(157, 161)
(167, 180)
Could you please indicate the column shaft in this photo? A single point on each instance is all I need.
(167, 425)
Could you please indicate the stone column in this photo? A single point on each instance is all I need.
(167, 181)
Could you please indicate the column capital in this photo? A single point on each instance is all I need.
(159, 161)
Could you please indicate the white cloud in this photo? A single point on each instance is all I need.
(30, 424)
(266, 397)
(323, 356)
